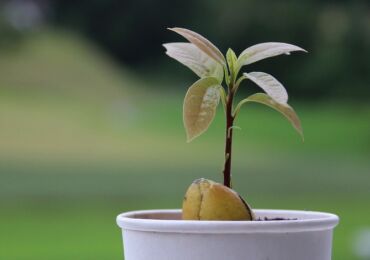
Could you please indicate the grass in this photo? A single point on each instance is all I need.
(82, 141)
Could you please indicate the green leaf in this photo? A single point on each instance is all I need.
(284, 109)
(195, 59)
(270, 85)
(265, 50)
(200, 105)
(232, 64)
(202, 43)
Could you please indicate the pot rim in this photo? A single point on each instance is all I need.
(169, 221)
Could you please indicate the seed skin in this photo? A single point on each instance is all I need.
(209, 200)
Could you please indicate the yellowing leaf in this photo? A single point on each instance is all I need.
(202, 43)
(270, 85)
(284, 109)
(265, 50)
(200, 105)
(195, 59)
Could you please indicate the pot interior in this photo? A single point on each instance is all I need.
(160, 215)
(261, 215)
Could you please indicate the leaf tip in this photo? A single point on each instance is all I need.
(189, 137)
(174, 29)
(299, 129)
(301, 49)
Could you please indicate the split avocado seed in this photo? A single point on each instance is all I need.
(209, 200)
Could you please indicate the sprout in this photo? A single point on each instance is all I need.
(203, 97)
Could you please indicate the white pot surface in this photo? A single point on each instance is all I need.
(162, 235)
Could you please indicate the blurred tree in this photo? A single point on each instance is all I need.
(336, 34)
(130, 30)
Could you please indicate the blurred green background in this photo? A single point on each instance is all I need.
(91, 118)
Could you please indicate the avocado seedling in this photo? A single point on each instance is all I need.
(205, 199)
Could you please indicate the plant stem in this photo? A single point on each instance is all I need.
(229, 137)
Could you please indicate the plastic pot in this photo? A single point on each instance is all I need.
(162, 235)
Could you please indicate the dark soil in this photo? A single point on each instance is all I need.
(273, 219)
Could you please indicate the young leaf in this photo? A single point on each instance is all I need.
(270, 85)
(202, 43)
(284, 109)
(232, 64)
(265, 50)
(195, 59)
(200, 105)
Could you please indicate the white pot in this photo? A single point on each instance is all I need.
(162, 235)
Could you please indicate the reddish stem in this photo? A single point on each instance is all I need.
(229, 138)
